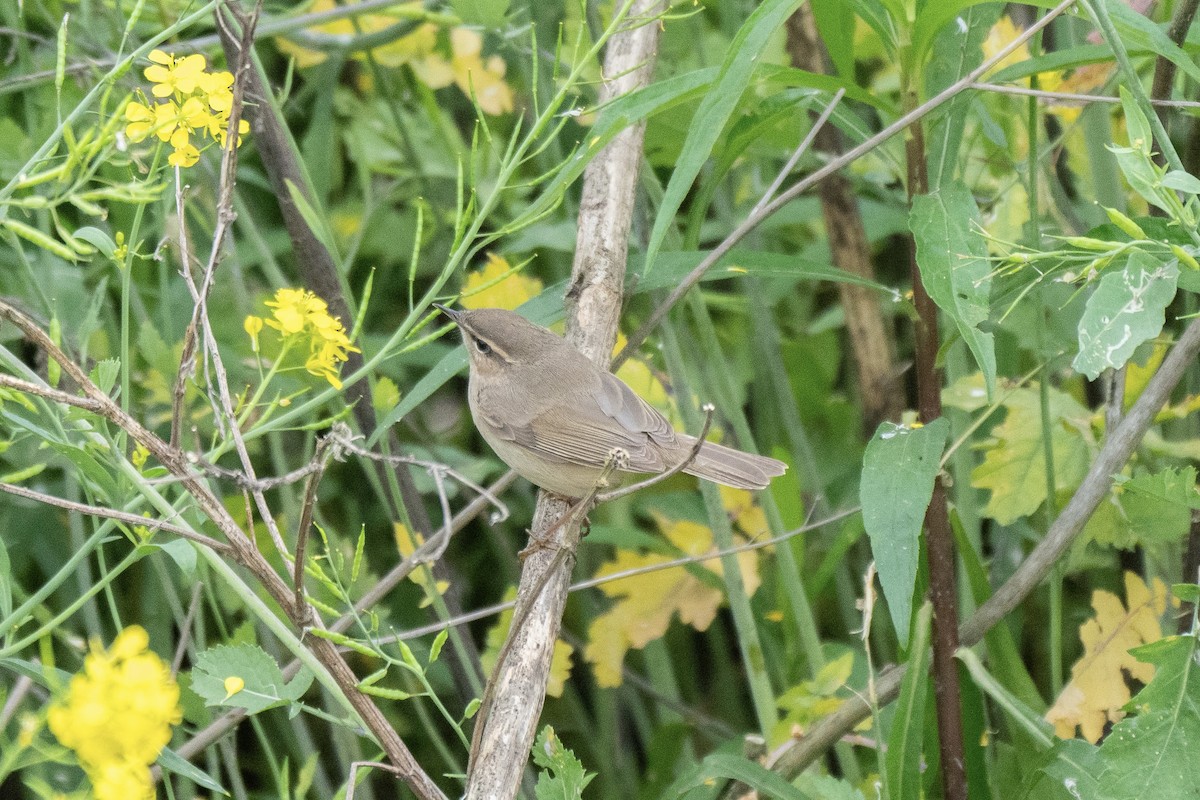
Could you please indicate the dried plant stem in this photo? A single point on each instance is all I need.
(594, 304)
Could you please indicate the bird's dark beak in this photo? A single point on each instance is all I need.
(449, 312)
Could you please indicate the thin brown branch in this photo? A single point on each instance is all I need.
(320, 459)
(148, 523)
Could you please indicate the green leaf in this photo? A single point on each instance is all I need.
(1014, 462)
(957, 50)
(907, 733)
(264, 686)
(899, 467)
(487, 13)
(563, 776)
(1126, 309)
(835, 23)
(1152, 754)
(171, 761)
(98, 239)
(727, 766)
(953, 260)
(715, 110)
(1158, 506)
(1181, 182)
(105, 374)
(1137, 31)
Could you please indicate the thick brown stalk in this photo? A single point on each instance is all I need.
(939, 539)
(513, 701)
(870, 337)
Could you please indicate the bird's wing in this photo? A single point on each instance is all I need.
(602, 417)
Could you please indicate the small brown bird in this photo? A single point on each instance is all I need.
(555, 417)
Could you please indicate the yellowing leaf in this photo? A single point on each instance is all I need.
(999, 37)
(640, 377)
(407, 543)
(813, 699)
(498, 285)
(412, 46)
(1137, 375)
(560, 662)
(745, 513)
(1014, 462)
(1098, 690)
(646, 603)
(474, 76)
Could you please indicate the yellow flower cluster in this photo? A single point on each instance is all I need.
(303, 319)
(117, 715)
(191, 101)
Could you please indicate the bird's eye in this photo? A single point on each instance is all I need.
(482, 346)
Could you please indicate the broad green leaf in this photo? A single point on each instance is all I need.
(907, 734)
(486, 13)
(835, 23)
(727, 766)
(1126, 309)
(1152, 754)
(953, 260)
(1014, 461)
(262, 685)
(934, 16)
(715, 111)
(899, 467)
(1068, 771)
(957, 50)
(1158, 506)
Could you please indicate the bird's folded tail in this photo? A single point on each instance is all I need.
(734, 468)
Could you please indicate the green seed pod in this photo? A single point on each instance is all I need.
(1125, 223)
(1185, 257)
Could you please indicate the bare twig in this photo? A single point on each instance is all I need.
(594, 303)
(1072, 97)
(321, 459)
(624, 491)
(150, 524)
(805, 143)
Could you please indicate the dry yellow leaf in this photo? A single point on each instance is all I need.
(560, 662)
(646, 603)
(1098, 690)
(415, 45)
(498, 285)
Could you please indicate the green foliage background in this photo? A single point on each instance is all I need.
(1059, 243)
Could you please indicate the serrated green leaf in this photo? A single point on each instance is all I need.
(1158, 506)
(1152, 754)
(105, 374)
(1127, 308)
(263, 683)
(899, 467)
(563, 776)
(954, 266)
